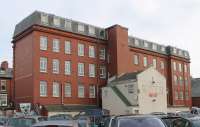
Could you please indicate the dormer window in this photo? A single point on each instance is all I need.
(146, 44)
(137, 43)
(185, 54)
(91, 30)
(44, 18)
(68, 24)
(162, 48)
(56, 21)
(81, 27)
(180, 53)
(154, 46)
(174, 50)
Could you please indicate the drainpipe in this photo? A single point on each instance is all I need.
(62, 98)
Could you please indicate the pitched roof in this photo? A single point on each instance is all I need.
(127, 76)
(196, 87)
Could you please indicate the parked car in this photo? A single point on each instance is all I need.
(3, 120)
(134, 121)
(94, 116)
(195, 110)
(20, 122)
(83, 121)
(61, 117)
(56, 123)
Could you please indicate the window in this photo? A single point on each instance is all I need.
(91, 51)
(186, 95)
(68, 90)
(102, 54)
(56, 89)
(80, 69)
(137, 43)
(154, 46)
(162, 48)
(181, 80)
(180, 67)
(186, 82)
(91, 70)
(81, 27)
(174, 50)
(145, 61)
(55, 66)
(81, 91)
(180, 53)
(154, 63)
(43, 64)
(102, 72)
(185, 54)
(43, 88)
(67, 47)
(162, 65)
(3, 85)
(92, 91)
(181, 95)
(56, 21)
(44, 18)
(185, 68)
(176, 95)
(136, 59)
(91, 30)
(68, 24)
(56, 46)
(175, 80)
(43, 43)
(174, 66)
(146, 45)
(130, 88)
(80, 49)
(67, 67)
(3, 100)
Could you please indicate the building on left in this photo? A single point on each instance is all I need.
(6, 81)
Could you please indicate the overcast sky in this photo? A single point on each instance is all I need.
(168, 22)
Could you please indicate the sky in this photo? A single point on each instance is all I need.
(168, 22)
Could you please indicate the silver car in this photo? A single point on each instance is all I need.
(56, 123)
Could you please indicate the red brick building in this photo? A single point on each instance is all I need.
(61, 61)
(6, 83)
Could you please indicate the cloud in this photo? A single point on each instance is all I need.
(169, 22)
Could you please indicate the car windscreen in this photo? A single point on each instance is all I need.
(140, 122)
(21, 122)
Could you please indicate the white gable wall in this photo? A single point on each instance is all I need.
(148, 104)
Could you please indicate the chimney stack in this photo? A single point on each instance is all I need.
(4, 65)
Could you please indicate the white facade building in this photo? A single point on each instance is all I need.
(138, 92)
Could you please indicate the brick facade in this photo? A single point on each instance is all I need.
(119, 60)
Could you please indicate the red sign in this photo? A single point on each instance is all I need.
(153, 94)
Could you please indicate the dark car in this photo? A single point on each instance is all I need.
(187, 122)
(169, 120)
(134, 121)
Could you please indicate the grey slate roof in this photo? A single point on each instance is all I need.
(196, 87)
(100, 33)
(6, 73)
(35, 19)
(126, 76)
